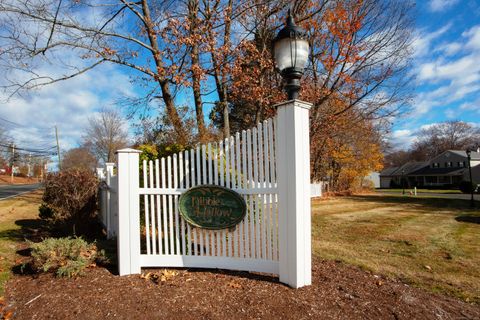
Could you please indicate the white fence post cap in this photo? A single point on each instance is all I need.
(128, 150)
(296, 103)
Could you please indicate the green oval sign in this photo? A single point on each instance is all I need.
(212, 207)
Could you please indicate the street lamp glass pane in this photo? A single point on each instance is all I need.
(291, 53)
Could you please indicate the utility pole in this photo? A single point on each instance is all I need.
(472, 202)
(29, 165)
(13, 159)
(58, 149)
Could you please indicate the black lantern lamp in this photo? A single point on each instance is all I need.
(291, 49)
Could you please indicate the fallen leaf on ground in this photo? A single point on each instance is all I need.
(7, 315)
(234, 284)
(146, 276)
(167, 275)
(428, 268)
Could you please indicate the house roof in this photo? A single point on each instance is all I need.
(405, 169)
(425, 171)
(474, 155)
(388, 171)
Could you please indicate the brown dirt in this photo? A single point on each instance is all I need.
(338, 292)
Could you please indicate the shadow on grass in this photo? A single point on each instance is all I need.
(426, 203)
(468, 218)
(30, 229)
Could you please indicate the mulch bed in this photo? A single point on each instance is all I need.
(339, 291)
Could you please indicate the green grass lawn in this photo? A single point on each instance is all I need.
(12, 211)
(430, 243)
(423, 190)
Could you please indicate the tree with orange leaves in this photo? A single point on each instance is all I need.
(356, 78)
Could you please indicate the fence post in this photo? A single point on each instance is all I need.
(128, 238)
(293, 176)
(100, 174)
(109, 173)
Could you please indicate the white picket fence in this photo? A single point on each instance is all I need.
(244, 163)
(108, 199)
(267, 165)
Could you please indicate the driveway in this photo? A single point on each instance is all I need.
(9, 191)
(435, 195)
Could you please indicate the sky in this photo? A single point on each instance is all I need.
(446, 68)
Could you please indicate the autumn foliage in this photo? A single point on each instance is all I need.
(187, 55)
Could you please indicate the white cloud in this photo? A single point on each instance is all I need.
(473, 36)
(456, 69)
(450, 79)
(402, 138)
(67, 104)
(428, 126)
(441, 5)
(423, 40)
(451, 114)
(450, 49)
(471, 106)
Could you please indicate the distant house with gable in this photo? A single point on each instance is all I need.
(447, 169)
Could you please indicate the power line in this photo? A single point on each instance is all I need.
(12, 123)
(27, 150)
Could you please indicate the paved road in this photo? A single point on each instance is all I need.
(9, 191)
(437, 195)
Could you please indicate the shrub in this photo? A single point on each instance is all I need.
(45, 212)
(466, 186)
(67, 257)
(70, 197)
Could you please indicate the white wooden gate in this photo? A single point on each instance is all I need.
(244, 163)
(274, 236)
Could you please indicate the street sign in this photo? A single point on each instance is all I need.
(212, 207)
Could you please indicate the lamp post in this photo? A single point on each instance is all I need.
(403, 182)
(293, 161)
(472, 203)
(291, 49)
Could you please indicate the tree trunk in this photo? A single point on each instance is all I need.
(219, 73)
(181, 135)
(226, 121)
(226, 43)
(180, 132)
(196, 86)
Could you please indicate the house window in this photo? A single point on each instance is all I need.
(435, 165)
(429, 179)
(444, 179)
(448, 164)
(460, 164)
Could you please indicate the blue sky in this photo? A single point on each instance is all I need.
(446, 66)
